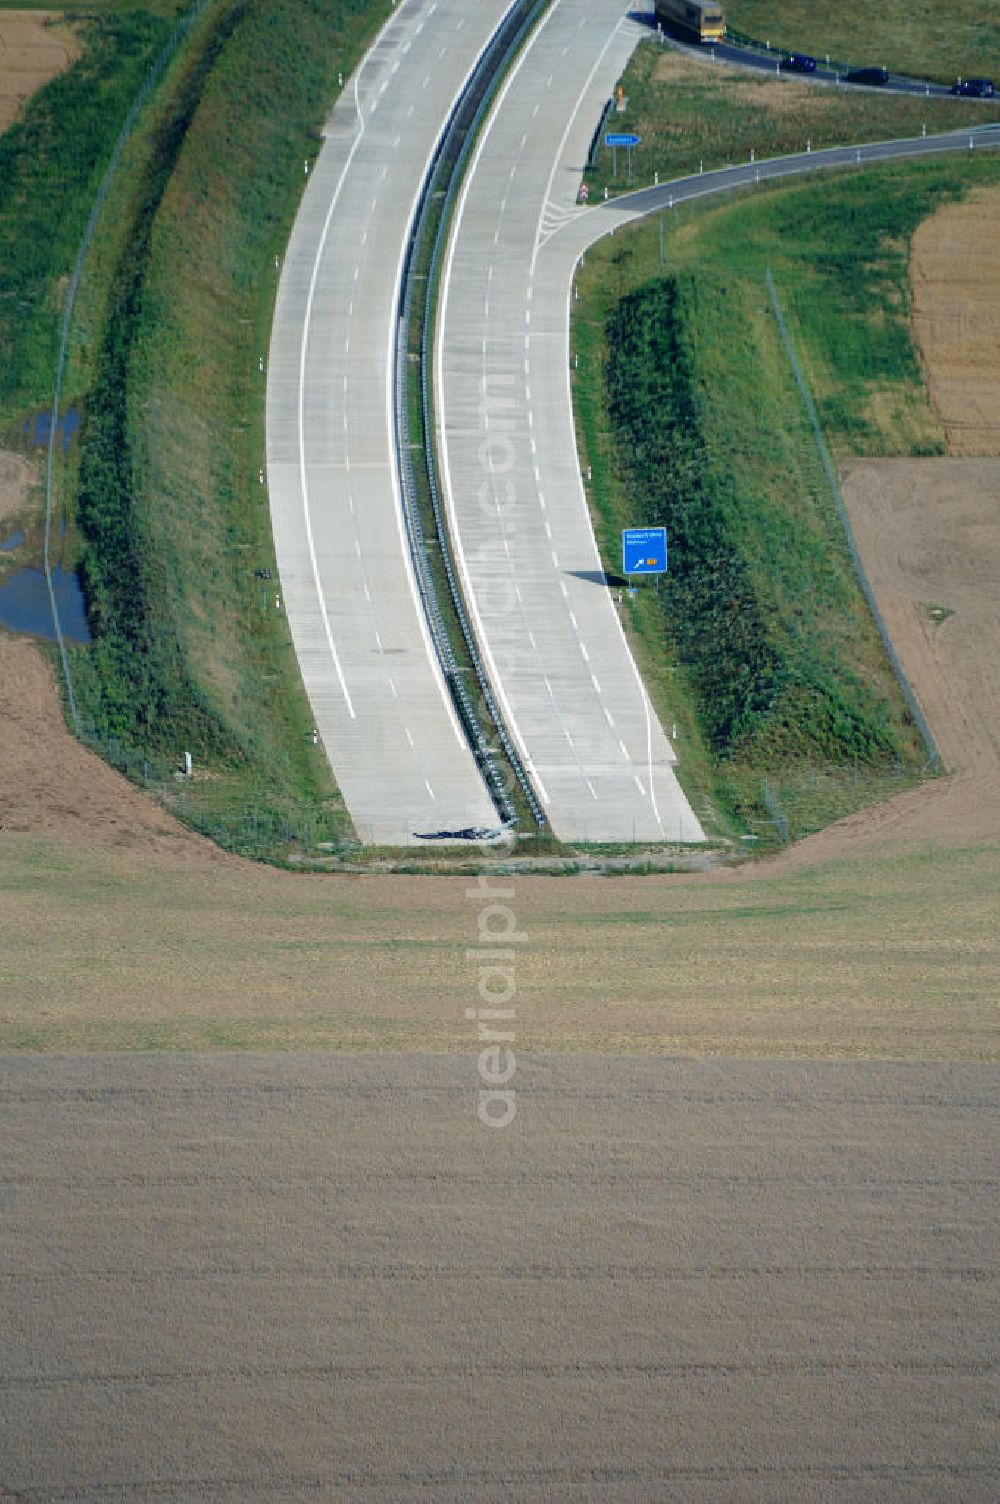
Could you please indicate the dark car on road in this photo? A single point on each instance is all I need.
(798, 62)
(978, 88)
(874, 76)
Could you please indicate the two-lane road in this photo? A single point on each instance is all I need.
(530, 565)
(380, 705)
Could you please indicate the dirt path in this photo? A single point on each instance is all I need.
(35, 45)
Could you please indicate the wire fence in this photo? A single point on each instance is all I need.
(149, 84)
(838, 500)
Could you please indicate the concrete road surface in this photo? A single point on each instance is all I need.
(377, 695)
(546, 619)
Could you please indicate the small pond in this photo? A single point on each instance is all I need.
(24, 604)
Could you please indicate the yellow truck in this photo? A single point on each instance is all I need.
(702, 20)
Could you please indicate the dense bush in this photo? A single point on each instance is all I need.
(768, 683)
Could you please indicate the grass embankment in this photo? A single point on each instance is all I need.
(691, 114)
(926, 39)
(759, 644)
(190, 652)
(51, 163)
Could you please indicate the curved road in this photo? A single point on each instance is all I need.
(380, 705)
(548, 626)
(547, 621)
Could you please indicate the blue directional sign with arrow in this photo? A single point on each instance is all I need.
(622, 138)
(644, 550)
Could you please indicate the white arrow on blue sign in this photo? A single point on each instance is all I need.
(644, 550)
(619, 138)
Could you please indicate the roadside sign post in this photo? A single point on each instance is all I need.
(644, 551)
(628, 139)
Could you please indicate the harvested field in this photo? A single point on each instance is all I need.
(885, 957)
(35, 45)
(955, 272)
(312, 1277)
(929, 534)
(17, 475)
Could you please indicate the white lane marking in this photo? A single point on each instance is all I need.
(463, 565)
(409, 736)
(555, 558)
(378, 640)
(548, 528)
(576, 624)
(527, 390)
(558, 157)
(303, 355)
(624, 749)
(390, 421)
(429, 789)
(609, 718)
(368, 594)
(596, 683)
(562, 587)
(591, 788)
(583, 650)
(642, 791)
(395, 691)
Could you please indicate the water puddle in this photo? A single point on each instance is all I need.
(8, 545)
(24, 605)
(40, 427)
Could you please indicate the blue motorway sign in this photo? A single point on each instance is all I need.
(644, 550)
(621, 139)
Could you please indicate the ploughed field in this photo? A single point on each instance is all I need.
(319, 1276)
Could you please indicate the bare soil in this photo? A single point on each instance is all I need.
(35, 45)
(955, 275)
(929, 534)
(17, 476)
(53, 787)
(320, 1278)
